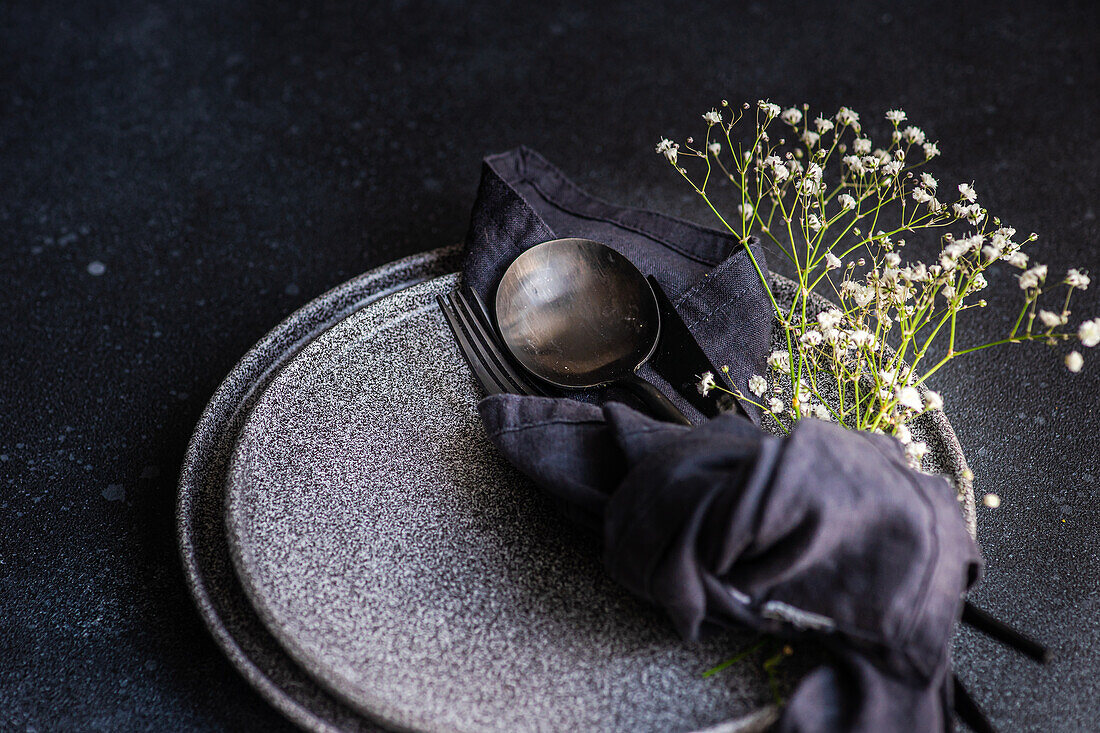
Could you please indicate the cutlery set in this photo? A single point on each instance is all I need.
(576, 314)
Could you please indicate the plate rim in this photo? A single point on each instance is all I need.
(227, 405)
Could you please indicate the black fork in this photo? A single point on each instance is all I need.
(473, 330)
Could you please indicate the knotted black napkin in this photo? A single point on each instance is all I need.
(827, 532)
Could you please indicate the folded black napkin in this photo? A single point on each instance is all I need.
(827, 532)
(523, 200)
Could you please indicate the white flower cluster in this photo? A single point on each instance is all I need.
(824, 190)
(668, 149)
(770, 110)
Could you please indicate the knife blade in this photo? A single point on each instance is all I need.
(681, 360)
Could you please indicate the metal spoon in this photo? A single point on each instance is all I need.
(578, 314)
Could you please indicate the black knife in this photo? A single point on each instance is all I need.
(681, 360)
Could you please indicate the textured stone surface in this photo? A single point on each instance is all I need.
(226, 162)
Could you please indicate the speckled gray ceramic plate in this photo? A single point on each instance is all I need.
(423, 580)
(398, 562)
(200, 524)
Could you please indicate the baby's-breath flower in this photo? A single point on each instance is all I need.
(931, 150)
(667, 148)
(813, 222)
(846, 201)
(792, 116)
(810, 138)
(775, 405)
(886, 376)
(1074, 361)
(829, 318)
(1077, 279)
(1089, 333)
(915, 451)
(706, 384)
(779, 170)
(811, 338)
(771, 110)
(928, 181)
(1050, 319)
(846, 116)
(745, 210)
(1017, 259)
(864, 295)
(854, 163)
(933, 400)
(758, 385)
(913, 135)
(712, 117)
(921, 196)
(780, 360)
(823, 125)
(862, 337)
(896, 116)
(1031, 278)
(715, 148)
(804, 393)
(903, 435)
(861, 146)
(967, 192)
(821, 412)
(892, 168)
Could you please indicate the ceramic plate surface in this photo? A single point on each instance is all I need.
(422, 579)
(392, 569)
(200, 513)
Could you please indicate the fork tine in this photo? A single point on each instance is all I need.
(481, 373)
(484, 331)
(469, 327)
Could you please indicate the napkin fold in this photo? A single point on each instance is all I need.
(826, 533)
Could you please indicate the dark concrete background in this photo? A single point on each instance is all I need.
(228, 161)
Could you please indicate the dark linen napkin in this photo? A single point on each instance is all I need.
(523, 201)
(827, 532)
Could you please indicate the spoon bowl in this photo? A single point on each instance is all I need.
(578, 314)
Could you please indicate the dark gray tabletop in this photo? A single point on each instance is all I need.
(176, 178)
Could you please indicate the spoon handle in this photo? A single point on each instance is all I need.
(660, 406)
